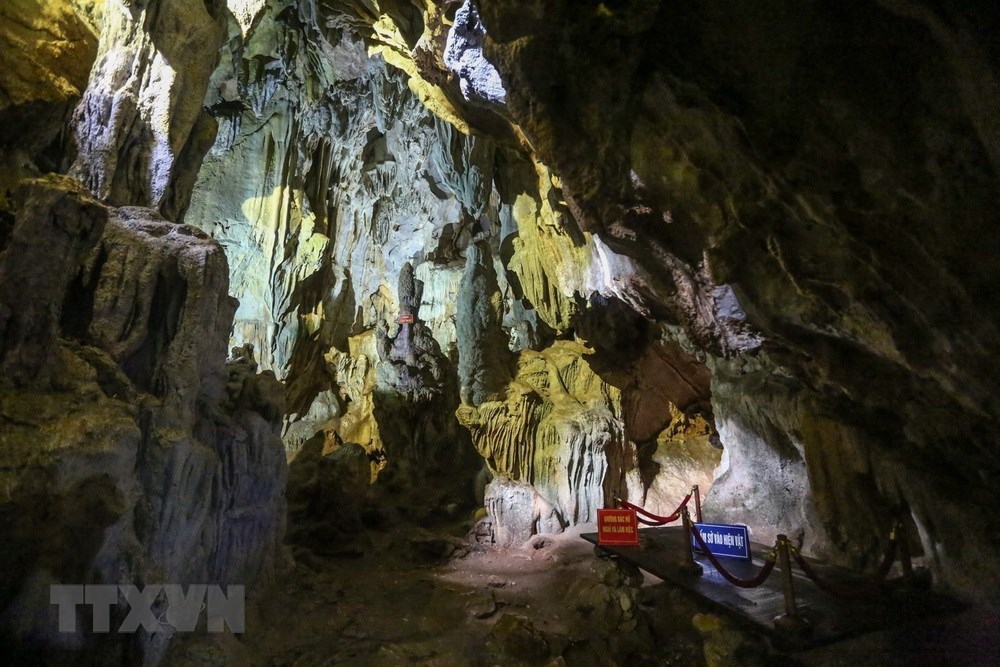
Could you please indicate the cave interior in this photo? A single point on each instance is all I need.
(367, 308)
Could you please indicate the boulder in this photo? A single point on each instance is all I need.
(127, 462)
(56, 225)
(518, 512)
(515, 637)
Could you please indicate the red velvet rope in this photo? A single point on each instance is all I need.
(654, 519)
(753, 582)
(868, 588)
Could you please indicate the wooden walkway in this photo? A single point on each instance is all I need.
(830, 619)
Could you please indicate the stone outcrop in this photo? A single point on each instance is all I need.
(846, 200)
(140, 124)
(483, 358)
(556, 435)
(627, 234)
(478, 78)
(128, 457)
(411, 360)
(517, 511)
(557, 428)
(56, 220)
(414, 387)
(47, 48)
(153, 295)
(160, 308)
(682, 454)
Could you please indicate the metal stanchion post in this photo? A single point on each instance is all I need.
(919, 578)
(791, 621)
(697, 503)
(904, 552)
(688, 565)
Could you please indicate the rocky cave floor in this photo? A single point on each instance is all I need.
(413, 596)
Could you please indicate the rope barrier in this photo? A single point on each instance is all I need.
(870, 587)
(647, 522)
(752, 582)
(654, 519)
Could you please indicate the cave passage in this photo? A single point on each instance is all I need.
(330, 330)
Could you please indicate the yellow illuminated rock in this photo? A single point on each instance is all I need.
(46, 50)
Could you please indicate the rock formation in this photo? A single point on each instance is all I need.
(839, 195)
(126, 460)
(47, 48)
(413, 392)
(558, 427)
(140, 124)
(581, 246)
(484, 357)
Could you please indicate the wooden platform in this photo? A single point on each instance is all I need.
(830, 619)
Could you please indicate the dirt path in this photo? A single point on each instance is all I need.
(414, 597)
(397, 602)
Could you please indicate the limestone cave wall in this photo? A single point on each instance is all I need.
(352, 165)
(836, 168)
(132, 452)
(580, 249)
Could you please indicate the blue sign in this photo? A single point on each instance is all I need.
(724, 539)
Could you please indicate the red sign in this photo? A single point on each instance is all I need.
(618, 527)
(405, 319)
